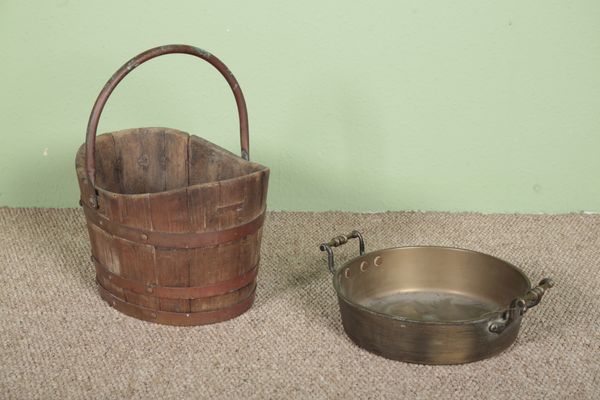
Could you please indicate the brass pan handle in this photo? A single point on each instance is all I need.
(338, 241)
(90, 154)
(533, 297)
(520, 305)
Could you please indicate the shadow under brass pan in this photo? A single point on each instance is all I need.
(431, 305)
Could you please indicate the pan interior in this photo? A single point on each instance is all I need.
(431, 306)
(430, 284)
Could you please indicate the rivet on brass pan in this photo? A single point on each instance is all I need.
(114, 303)
(377, 261)
(144, 236)
(187, 315)
(153, 315)
(347, 272)
(363, 266)
(149, 289)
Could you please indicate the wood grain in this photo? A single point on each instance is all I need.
(160, 180)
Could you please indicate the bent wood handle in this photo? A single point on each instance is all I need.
(90, 141)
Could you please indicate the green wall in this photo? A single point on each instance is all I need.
(489, 106)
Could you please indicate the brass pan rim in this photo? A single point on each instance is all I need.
(483, 318)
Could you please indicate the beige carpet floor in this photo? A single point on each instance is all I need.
(59, 340)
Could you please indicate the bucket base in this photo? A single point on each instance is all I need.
(174, 318)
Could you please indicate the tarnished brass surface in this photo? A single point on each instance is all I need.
(433, 305)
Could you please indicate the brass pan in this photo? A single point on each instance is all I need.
(431, 305)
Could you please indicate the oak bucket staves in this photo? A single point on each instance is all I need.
(175, 222)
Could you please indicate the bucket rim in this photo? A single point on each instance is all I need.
(81, 171)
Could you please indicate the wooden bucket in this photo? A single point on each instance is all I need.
(175, 221)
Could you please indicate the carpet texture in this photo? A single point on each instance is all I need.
(58, 339)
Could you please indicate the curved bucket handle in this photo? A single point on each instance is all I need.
(90, 141)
